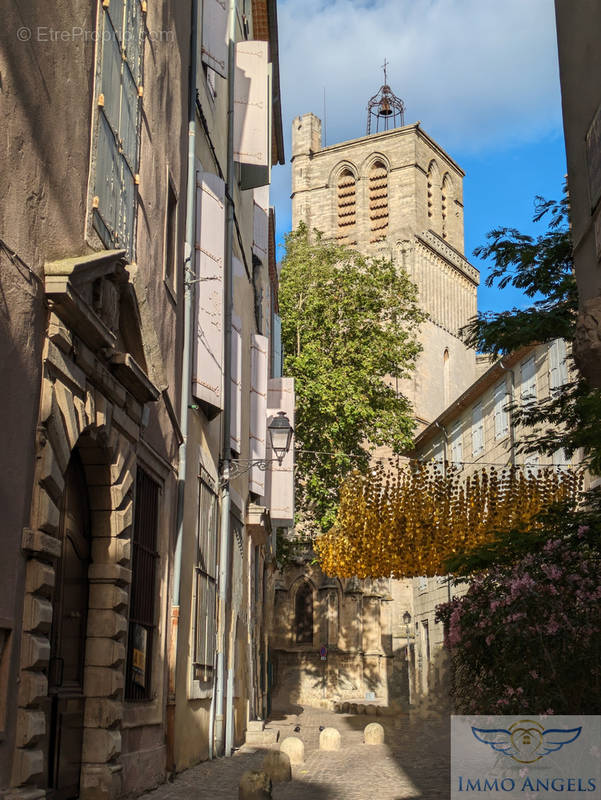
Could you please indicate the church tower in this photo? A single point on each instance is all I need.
(396, 193)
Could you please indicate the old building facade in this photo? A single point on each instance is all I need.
(578, 28)
(113, 254)
(479, 430)
(396, 194)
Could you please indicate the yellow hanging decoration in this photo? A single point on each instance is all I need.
(406, 521)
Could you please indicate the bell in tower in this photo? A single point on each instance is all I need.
(386, 108)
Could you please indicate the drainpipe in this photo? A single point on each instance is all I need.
(510, 413)
(222, 731)
(186, 382)
(445, 441)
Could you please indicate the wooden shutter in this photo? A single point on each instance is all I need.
(529, 380)
(210, 237)
(562, 365)
(261, 223)
(279, 495)
(477, 430)
(258, 409)
(236, 385)
(457, 444)
(214, 35)
(276, 347)
(251, 109)
(501, 416)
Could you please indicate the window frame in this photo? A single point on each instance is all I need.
(171, 279)
(98, 225)
(202, 672)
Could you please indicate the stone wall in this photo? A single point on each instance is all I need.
(358, 622)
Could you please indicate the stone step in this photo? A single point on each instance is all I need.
(257, 736)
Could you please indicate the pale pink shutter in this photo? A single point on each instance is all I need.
(207, 381)
(261, 223)
(236, 388)
(251, 114)
(258, 409)
(214, 33)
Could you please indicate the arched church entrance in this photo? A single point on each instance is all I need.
(68, 637)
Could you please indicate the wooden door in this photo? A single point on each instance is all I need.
(68, 638)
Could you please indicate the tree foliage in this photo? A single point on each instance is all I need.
(348, 332)
(526, 638)
(542, 268)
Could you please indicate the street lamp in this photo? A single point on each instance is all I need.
(280, 438)
(280, 435)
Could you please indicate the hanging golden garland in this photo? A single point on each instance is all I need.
(406, 521)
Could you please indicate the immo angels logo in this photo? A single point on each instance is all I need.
(526, 741)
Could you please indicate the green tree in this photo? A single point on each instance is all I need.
(542, 268)
(348, 332)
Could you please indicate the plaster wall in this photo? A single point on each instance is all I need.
(49, 101)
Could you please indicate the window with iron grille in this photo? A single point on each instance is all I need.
(206, 578)
(117, 135)
(138, 675)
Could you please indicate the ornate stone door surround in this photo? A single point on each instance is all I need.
(92, 397)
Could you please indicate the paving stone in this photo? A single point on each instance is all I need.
(413, 762)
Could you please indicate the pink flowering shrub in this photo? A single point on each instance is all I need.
(527, 638)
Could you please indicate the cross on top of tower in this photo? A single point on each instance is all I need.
(384, 66)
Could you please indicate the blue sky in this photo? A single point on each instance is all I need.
(480, 75)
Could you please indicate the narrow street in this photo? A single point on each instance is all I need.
(412, 763)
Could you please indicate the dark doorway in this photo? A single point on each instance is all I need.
(68, 638)
(303, 614)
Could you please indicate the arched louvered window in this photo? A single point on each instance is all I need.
(446, 200)
(303, 614)
(378, 201)
(434, 200)
(347, 207)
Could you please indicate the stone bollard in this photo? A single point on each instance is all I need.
(254, 786)
(276, 764)
(346, 708)
(293, 747)
(353, 708)
(329, 739)
(373, 733)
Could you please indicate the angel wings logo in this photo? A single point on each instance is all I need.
(526, 741)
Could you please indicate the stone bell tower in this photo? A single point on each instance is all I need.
(396, 193)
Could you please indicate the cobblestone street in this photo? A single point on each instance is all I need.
(413, 762)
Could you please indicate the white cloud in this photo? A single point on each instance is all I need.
(479, 74)
(478, 71)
